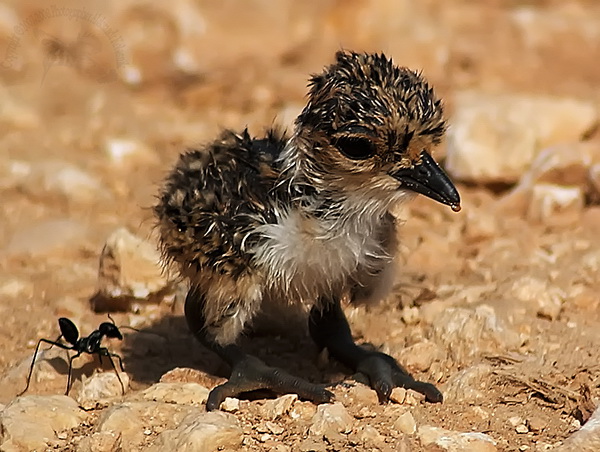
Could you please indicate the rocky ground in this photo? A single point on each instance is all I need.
(497, 304)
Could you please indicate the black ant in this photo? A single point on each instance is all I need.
(87, 344)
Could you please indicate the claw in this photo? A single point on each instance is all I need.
(385, 373)
(251, 374)
(431, 393)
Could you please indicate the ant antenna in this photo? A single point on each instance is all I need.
(127, 327)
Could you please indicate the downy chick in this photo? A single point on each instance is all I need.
(305, 219)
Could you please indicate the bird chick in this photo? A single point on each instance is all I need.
(305, 219)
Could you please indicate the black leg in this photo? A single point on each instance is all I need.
(103, 351)
(329, 329)
(37, 348)
(248, 373)
(71, 358)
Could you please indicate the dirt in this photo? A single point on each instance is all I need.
(253, 71)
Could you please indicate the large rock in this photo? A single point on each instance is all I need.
(33, 422)
(129, 270)
(201, 433)
(547, 300)
(494, 138)
(133, 420)
(467, 333)
(49, 371)
(101, 388)
(180, 393)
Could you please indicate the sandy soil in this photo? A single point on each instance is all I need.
(252, 71)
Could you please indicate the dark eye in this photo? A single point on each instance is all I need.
(355, 148)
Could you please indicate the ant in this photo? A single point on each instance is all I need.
(86, 344)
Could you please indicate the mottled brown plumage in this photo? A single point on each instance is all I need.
(305, 219)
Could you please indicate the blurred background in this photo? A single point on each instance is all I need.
(97, 98)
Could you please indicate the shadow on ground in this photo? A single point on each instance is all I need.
(167, 344)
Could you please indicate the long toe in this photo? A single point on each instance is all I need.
(251, 374)
(431, 393)
(385, 373)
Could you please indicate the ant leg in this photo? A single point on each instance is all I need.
(114, 355)
(71, 358)
(37, 349)
(103, 351)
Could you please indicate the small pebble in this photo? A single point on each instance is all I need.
(521, 429)
(406, 424)
(398, 395)
(536, 424)
(264, 437)
(274, 428)
(281, 405)
(514, 420)
(230, 404)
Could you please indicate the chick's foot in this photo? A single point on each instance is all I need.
(385, 374)
(251, 374)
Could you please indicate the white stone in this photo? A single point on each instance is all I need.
(554, 187)
(406, 423)
(521, 429)
(545, 299)
(101, 387)
(455, 441)
(362, 395)
(272, 409)
(230, 404)
(274, 428)
(494, 138)
(127, 152)
(330, 420)
(130, 267)
(548, 201)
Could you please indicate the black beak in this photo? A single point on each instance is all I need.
(430, 180)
